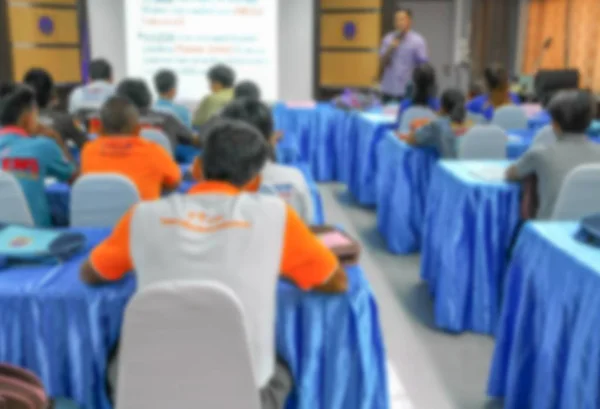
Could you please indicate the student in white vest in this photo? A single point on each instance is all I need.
(236, 234)
(287, 180)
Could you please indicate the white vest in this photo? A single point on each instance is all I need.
(246, 259)
(289, 183)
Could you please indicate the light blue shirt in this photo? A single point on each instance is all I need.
(178, 111)
(91, 96)
(411, 52)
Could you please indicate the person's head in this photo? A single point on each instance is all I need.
(254, 113)
(496, 78)
(247, 89)
(6, 88)
(453, 105)
(165, 82)
(572, 111)
(403, 20)
(119, 117)
(19, 108)
(136, 91)
(42, 84)
(424, 84)
(100, 70)
(234, 152)
(220, 77)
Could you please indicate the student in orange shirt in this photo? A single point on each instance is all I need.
(121, 150)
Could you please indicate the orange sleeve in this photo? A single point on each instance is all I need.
(171, 174)
(111, 259)
(305, 260)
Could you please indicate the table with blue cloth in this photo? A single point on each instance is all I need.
(547, 352)
(364, 132)
(64, 331)
(518, 142)
(402, 186)
(469, 223)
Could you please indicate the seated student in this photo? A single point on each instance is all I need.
(90, 97)
(497, 93)
(571, 112)
(221, 79)
(423, 90)
(247, 89)
(235, 235)
(120, 149)
(259, 116)
(442, 133)
(30, 159)
(42, 83)
(138, 92)
(165, 82)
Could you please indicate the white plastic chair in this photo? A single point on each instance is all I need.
(578, 196)
(483, 142)
(545, 136)
(158, 136)
(292, 197)
(413, 113)
(100, 200)
(13, 203)
(510, 117)
(184, 345)
(477, 119)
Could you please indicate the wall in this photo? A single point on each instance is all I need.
(107, 40)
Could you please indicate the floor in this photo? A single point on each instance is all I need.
(428, 369)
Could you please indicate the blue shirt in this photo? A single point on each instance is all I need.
(480, 105)
(178, 111)
(31, 160)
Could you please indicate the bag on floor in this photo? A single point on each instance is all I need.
(21, 389)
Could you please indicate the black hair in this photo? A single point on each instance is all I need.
(136, 91)
(165, 81)
(6, 88)
(406, 10)
(222, 74)
(247, 89)
(252, 112)
(496, 77)
(15, 104)
(234, 152)
(476, 88)
(453, 103)
(573, 110)
(42, 83)
(424, 84)
(119, 116)
(100, 70)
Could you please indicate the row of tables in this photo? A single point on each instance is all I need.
(540, 304)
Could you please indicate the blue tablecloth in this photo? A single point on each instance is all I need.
(63, 331)
(548, 344)
(469, 223)
(518, 142)
(402, 186)
(364, 133)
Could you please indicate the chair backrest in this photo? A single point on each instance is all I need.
(545, 136)
(483, 142)
(13, 203)
(413, 113)
(100, 200)
(291, 196)
(184, 345)
(510, 117)
(476, 119)
(158, 136)
(578, 196)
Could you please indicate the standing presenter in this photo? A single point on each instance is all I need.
(401, 51)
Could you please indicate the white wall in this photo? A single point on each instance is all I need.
(107, 40)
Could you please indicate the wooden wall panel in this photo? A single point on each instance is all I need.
(367, 28)
(352, 69)
(50, 2)
(349, 4)
(63, 63)
(24, 25)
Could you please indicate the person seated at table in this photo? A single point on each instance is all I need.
(423, 90)
(442, 133)
(497, 93)
(138, 92)
(221, 79)
(165, 82)
(42, 83)
(234, 234)
(91, 96)
(247, 89)
(572, 113)
(120, 149)
(31, 159)
(284, 178)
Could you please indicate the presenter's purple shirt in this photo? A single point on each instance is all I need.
(411, 52)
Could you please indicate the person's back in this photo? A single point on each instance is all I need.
(284, 176)
(120, 150)
(221, 79)
(497, 93)
(91, 97)
(165, 82)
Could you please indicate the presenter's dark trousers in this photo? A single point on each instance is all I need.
(391, 99)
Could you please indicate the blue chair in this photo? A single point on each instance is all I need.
(578, 196)
(158, 136)
(14, 207)
(483, 142)
(510, 117)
